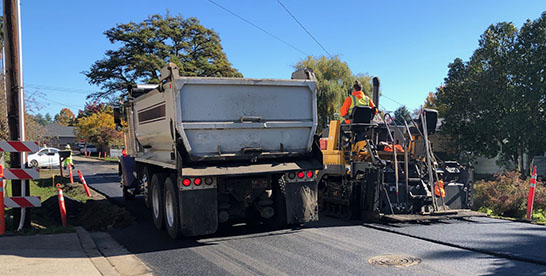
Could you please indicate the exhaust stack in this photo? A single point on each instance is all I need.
(375, 95)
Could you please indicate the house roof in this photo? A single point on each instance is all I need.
(56, 130)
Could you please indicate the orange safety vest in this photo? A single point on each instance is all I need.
(439, 189)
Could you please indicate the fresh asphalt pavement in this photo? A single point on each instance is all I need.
(478, 246)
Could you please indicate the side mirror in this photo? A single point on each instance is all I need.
(117, 118)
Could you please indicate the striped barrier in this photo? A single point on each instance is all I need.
(19, 146)
(22, 202)
(21, 174)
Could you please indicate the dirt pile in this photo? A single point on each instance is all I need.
(103, 215)
(50, 210)
(96, 214)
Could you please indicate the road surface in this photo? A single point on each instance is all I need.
(477, 246)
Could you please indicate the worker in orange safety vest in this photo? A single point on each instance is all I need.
(357, 98)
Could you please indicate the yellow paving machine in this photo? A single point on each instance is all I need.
(375, 167)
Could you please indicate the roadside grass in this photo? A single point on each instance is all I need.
(537, 218)
(45, 189)
(111, 159)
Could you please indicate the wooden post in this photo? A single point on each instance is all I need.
(15, 98)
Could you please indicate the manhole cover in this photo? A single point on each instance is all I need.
(394, 260)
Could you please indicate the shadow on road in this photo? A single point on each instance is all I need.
(143, 237)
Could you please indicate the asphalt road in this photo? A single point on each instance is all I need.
(479, 246)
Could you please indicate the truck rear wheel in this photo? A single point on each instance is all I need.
(158, 205)
(172, 213)
(146, 178)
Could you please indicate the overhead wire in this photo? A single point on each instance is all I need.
(303, 27)
(257, 27)
(56, 102)
(59, 89)
(389, 98)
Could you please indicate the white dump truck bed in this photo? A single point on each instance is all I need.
(227, 118)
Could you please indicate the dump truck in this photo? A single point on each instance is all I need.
(206, 151)
(375, 167)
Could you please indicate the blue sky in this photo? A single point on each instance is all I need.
(407, 44)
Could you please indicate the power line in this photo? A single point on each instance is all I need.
(56, 102)
(258, 27)
(389, 98)
(60, 89)
(303, 27)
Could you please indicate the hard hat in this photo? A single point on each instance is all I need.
(67, 146)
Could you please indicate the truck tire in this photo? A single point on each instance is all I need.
(172, 210)
(146, 178)
(158, 179)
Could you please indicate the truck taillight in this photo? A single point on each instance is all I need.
(309, 174)
(208, 181)
(186, 182)
(301, 175)
(197, 181)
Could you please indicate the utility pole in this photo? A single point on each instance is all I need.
(15, 100)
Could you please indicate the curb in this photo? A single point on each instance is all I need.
(118, 256)
(110, 257)
(90, 248)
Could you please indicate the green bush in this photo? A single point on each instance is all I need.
(507, 196)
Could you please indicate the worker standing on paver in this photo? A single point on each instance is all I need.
(357, 98)
(68, 160)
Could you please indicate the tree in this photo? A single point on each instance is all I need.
(334, 83)
(402, 115)
(39, 118)
(65, 117)
(48, 118)
(148, 46)
(98, 128)
(494, 103)
(94, 107)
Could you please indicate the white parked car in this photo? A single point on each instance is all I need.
(45, 157)
(89, 148)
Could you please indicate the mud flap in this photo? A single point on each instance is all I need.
(301, 202)
(128, 167)
(198, 212)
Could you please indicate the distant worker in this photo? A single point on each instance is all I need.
(68, 160)
(357, 98)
